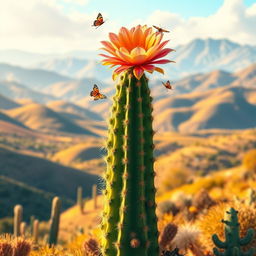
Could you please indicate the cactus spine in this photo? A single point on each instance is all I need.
(35, 231)
(54, 221)
(94, 196)
(233, 243)
(80, 201)
(18, 212)
(129, 224)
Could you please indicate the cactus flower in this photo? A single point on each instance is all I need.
(139, 48)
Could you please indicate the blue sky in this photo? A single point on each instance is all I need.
(51, 26)
(134, 9)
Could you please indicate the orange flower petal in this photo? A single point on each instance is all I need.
(114, 39)
(160, 70)
(138, 72)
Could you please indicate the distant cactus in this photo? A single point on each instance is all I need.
(18, 212)
(167, 235)
(23, 227)
(94, 196)
(32, 218)
(80, 201)
(210, 224)
(54, 221)
(35, 231)
(233, 243)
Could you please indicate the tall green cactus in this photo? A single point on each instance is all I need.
(54, 221)
(18, 212)
(129, 223)
(233, 243)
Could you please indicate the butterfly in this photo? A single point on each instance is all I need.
(96, 93)
(161, 30)
(99, 21)
(167, 85)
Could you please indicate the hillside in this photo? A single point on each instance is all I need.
(39, 117)
(73, 110)
(44, 175)
(220, 108)
(6, 103)
(35, 201)
(6, 119)
(15, 91)
(33, 78)
(88, 156)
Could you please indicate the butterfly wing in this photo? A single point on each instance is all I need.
(164, 30)
(95, 91)
(156, 27)
(100, 18)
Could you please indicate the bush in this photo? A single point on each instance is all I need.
(173, 178)
(168, 207)
(249, 160)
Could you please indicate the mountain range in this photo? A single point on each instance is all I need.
(197, 56)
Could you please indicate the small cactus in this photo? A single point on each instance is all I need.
(80, 201)
(94, 196)
(54, 221)
(32, 218)
(18, 212)
(35, 231)
(23, 227)
(167, 235)
(233, 243)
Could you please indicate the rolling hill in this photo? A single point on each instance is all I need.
(44, 175)
(34, 201)
(73, 110)
(221, 108)
(41, 118)
(6, 103)
(5, 118)
(33, 78)
(17, 91)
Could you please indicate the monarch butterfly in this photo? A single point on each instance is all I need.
(96, 93)
(99, 21)
(167, 85)
(161, 30)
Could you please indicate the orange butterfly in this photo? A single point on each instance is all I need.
(167, 85)
(99, 21)
(96, 93)
(161, 30)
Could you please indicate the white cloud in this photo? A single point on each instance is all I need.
(44, 26)
(233, 21)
